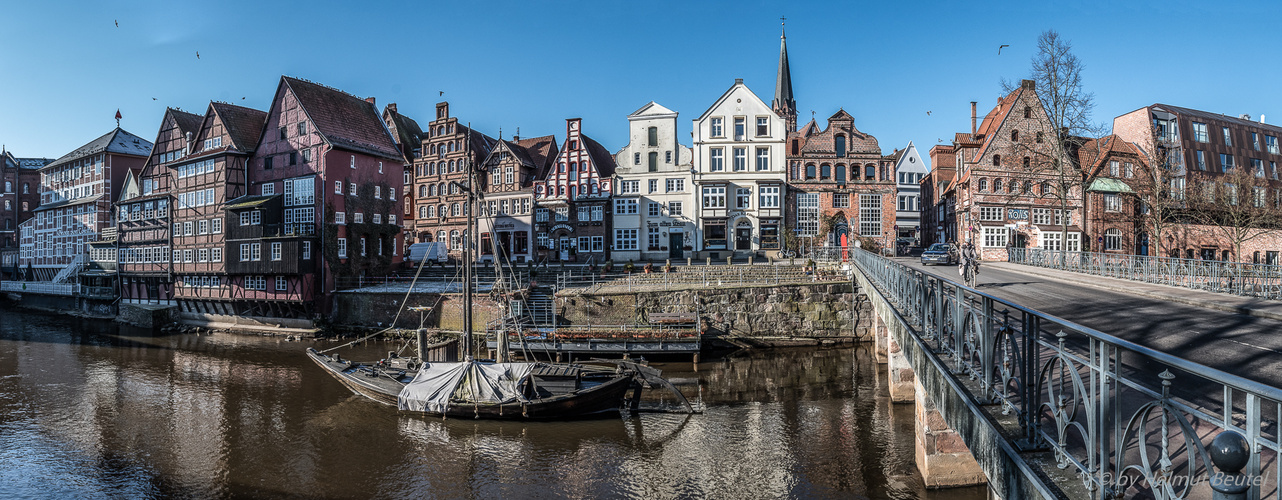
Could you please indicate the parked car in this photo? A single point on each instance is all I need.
(939, 253)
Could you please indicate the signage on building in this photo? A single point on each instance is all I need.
(566, 227)
(1017, 213)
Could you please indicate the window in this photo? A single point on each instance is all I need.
(1113, 239)
(715, 128)
(244, 252)
(625, 239)
(378, 192)
(1270, 142)
(256, 217)
(674, 208)
(870, 215)
(740, 123)
(653, 135)
(598, 243)
(187, 229)
(743, 198)
(216, 254)
(1112, 203)
(840, 200)
(1257, 167)
(359, 217)
(636, 158)
(997, 161)
(994, 237)
(654, 185)
(667, 156)
(255, 251)
(352, 162)
(562, 214)
(584, 244)
(276, 251)
(991, 214)
(630, 187)
(1130, 170)
(202, 227)
(622, 206)
(1258, 196)
(1226, 162)
(338, 187)
(714, 197)
(1113, 168)
(763, 159)
(342, 248)
(598, 213)
(257, 282)
(340, 218)
(840, 176)
(216, 226)
(674, 185)
(1200, 160)
(654, 209)
(983, 184)
(763, 126)
(1228, 138)
(825, 171)
(1200, 133)
(363, 246)
(769, 197)
(740, 159)
(280, 280)
(717, 159)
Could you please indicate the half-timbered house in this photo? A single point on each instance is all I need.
(576, 193)
(321, 204)
(506, 220)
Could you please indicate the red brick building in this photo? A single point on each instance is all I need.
(938, 198)
(323, 196)
(448, 148)
(576, 194)
(840, 187)
(1113, 212)
(19, 194)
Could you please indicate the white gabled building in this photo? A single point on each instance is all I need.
(910, 169)
(654, 212)
(739, 175)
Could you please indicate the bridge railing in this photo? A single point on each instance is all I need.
(1238, 278)
(1119, 417)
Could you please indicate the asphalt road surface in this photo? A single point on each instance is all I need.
(1245, 346)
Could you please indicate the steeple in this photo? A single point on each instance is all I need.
(783, 103)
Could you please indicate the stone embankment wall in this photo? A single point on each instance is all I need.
(803, 311)
(373, 309)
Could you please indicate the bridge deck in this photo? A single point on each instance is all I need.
(1155, 316)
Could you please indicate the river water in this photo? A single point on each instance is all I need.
(89, 409)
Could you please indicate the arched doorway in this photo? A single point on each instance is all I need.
(743, 234)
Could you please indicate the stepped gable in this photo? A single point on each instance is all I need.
(841, 121)
(344, 120)
(244, 125)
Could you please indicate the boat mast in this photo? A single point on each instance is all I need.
(468, 210)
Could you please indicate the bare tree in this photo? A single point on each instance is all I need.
(1162, 190)
(1057, 154)
(1235, 207)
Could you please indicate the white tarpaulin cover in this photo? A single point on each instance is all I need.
(471, 381)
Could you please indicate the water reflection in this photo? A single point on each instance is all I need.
(92, 409)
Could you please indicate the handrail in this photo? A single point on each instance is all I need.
(1238, 278)
(1090, 397)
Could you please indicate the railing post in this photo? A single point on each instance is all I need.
(1030, 402)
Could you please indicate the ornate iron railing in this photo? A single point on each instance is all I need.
(1238, 278)
(1121, 417)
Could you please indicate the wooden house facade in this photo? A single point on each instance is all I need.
(506, 217)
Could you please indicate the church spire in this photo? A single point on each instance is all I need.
(784, 104)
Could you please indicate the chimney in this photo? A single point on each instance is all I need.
(390, 107)
(1028, 84)
(738, 81)
(973, 124)
(369, 100)
(1261, 118)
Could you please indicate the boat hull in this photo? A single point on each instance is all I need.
(601, 400)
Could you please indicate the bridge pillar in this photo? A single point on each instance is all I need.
(941, 455)
(902, 380)
(881, 339)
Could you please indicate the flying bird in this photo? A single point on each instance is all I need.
(117, 23)
(442, 92)
(1000, 47)
(927, 113)
(153, 98)
(197, 54)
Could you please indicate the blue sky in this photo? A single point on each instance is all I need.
(529, 64)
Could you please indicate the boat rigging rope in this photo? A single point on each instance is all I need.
(404, 301)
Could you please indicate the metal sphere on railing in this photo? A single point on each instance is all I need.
(1229, 452)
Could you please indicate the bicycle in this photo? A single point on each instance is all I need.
(969, 272)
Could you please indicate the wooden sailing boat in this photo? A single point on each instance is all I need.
(472, 388)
